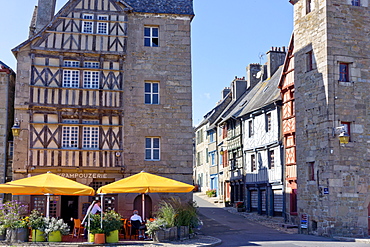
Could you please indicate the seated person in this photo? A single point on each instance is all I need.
(137, 224)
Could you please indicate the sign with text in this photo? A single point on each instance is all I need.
(83, 175)
(304, 221)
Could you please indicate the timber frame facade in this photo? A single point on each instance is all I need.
(287, 90)
(96, 103)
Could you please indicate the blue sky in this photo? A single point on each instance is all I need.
(226, 37)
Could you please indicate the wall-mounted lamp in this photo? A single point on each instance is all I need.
(118, 154)
(16, 129)
(343, 135)
(222, 151)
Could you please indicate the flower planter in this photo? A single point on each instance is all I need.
(37, 236)
(2, 236)
(182, 232)
(99, 238)
(55, 237)
(168, 234)
(17, 235)
(113, 237)
(91, 238)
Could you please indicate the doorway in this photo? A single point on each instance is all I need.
(148, 206)
(69, 209)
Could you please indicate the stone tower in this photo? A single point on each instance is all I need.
(332, 62)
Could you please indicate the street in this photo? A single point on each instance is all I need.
(236, 230)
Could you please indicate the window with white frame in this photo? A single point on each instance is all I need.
(356, 3)
(87, 26)
(69, 63)
(70, 134)
(102, 26)
(90, 134)
(91, 79)
(151, 36)
(151, 93)
(152, 148)
(71, 77)
(91, 65)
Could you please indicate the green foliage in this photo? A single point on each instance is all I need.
(95, 225)
(173, 212)
(211, 193)
(155, 225)
(111, 222)
(36, 220)
(167, 212)
(12, 213)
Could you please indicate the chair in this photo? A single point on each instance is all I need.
(78, 229)
(134, 228)
(123, 231)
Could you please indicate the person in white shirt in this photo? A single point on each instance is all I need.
(137, 224)
(96, 209)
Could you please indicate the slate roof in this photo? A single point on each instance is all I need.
(5, 66)
(184, 7)
(263, 94)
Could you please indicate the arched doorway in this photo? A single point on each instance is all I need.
(148, 206)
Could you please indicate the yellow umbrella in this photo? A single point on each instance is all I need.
(46, 184)
(144, 182)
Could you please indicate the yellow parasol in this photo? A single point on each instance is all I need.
(144, 182)
(46, 184)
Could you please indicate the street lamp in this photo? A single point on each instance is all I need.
(343, 135)
(16, 129)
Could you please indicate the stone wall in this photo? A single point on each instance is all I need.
(336, 201)
(171, 120)
(7, 81)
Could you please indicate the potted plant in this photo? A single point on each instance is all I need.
(240, 206)
(174, 220)
(54, 229)
(15, 222)
(211, 193)
(96, 230)
(37, 223)
(111, 224)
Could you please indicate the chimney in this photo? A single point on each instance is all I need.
(255, 74)
(275, 58)
(33, 23)
(45, 13)
(238, 87)
(225, 92)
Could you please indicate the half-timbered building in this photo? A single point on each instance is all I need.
(104, 92)
(262, 146)
(286, 86)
